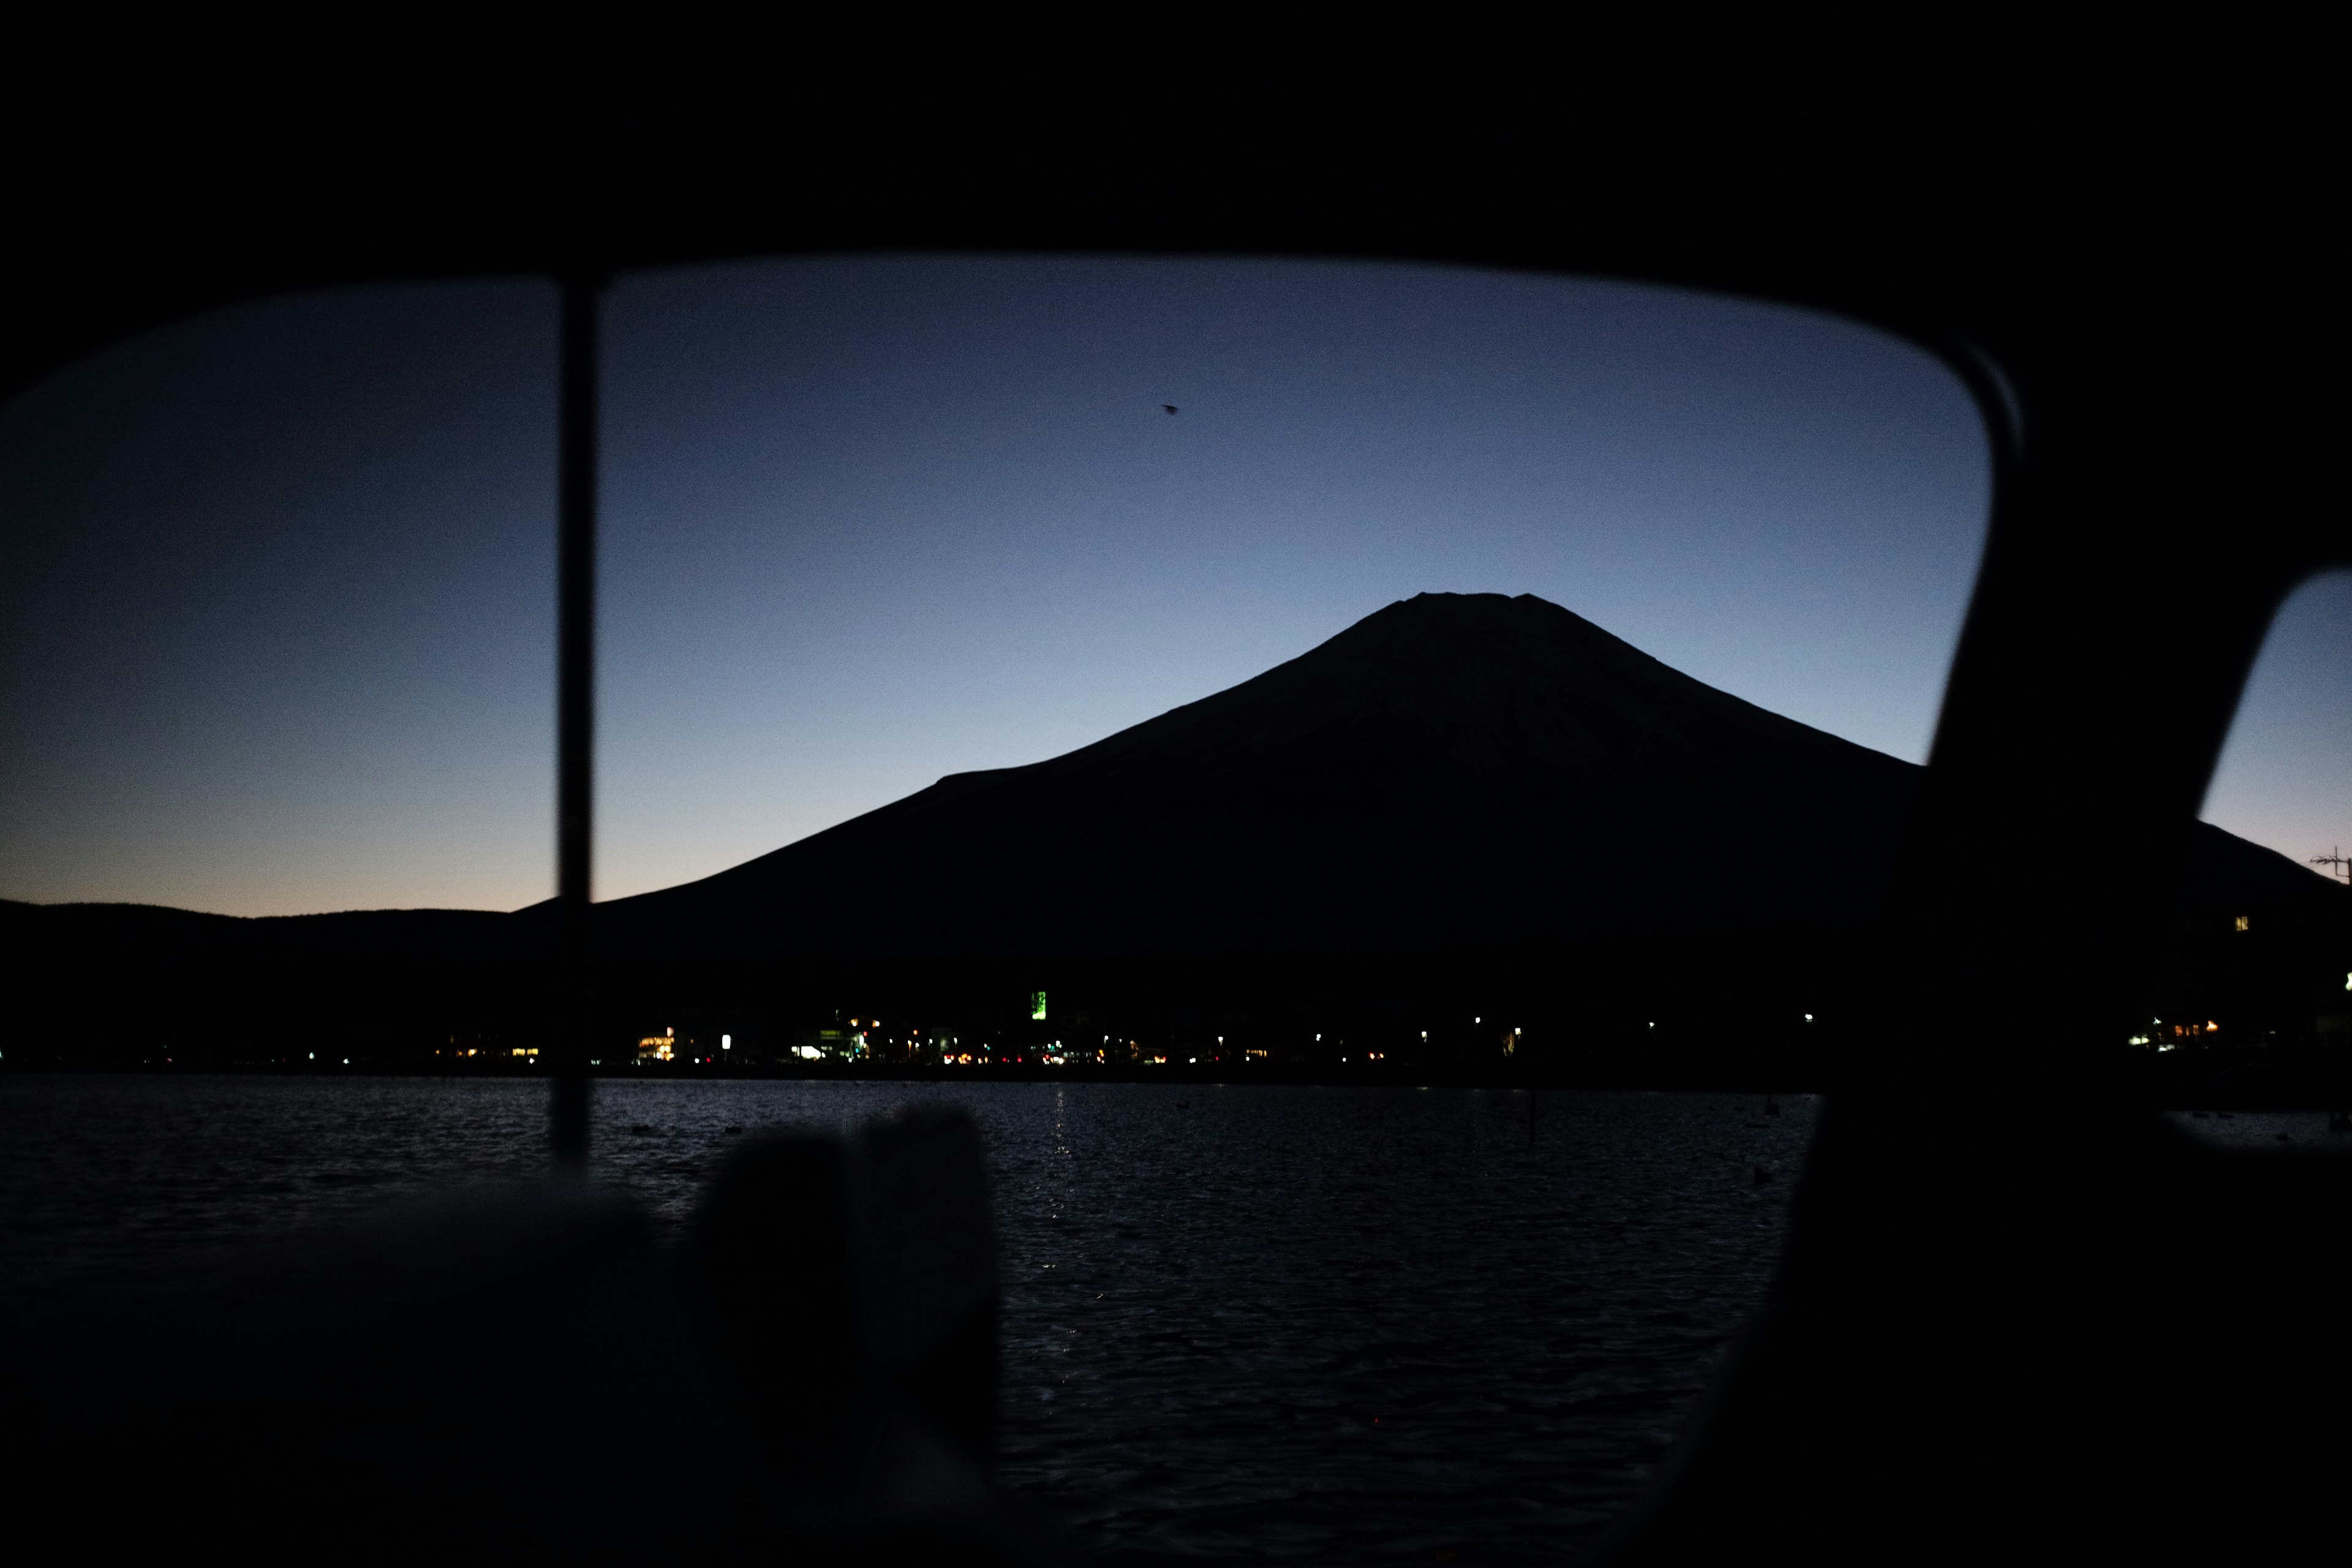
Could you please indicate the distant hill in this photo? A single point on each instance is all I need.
(1454, 770)
(428, 933)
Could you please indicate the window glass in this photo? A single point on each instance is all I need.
(278, 599)
(1445, 1270)
(278, 610)
(872, 521)
(2281, 780)
(2249, 1028)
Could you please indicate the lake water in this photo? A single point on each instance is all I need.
(1283, 1324)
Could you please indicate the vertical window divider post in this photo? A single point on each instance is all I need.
(581, 294)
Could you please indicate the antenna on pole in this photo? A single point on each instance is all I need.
(2338, 863)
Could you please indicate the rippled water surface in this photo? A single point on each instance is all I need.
(1241, 1323)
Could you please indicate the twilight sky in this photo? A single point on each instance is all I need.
(276, 585)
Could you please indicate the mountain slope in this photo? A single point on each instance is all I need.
(1450, 770)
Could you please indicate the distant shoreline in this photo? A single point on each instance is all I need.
(2297, 1082)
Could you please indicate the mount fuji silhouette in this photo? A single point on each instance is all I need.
(1454, 771)
(1458, 796)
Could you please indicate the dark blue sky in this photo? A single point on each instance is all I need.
(278, 596)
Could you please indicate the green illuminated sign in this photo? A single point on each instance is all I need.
(1038, 1003)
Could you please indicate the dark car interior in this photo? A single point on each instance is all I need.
(2013, 1314)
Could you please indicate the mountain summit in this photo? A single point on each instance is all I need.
(1453, 769)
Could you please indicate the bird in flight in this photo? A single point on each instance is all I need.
(1170, 407)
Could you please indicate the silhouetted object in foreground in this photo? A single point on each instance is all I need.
(529, 1375)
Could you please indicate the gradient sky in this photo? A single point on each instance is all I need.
(278, 583)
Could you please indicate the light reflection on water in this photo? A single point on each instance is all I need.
(1275, 1323)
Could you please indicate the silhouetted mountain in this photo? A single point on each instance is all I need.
(1460, 799)
(1452, 771)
